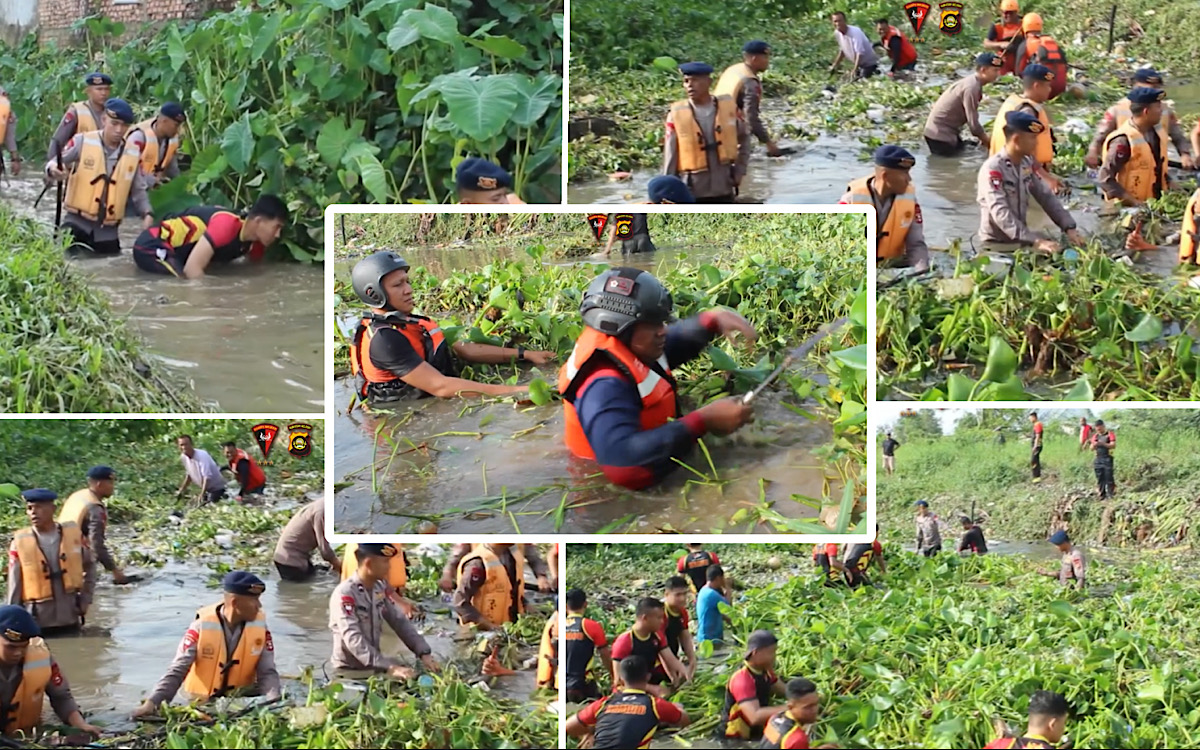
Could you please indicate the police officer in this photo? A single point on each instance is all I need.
(86, 508)
(104, 180)
(397, 354)
(186, 243)
(8, 133)
(547, 659)
(1134, 169)
(490, 589)
(480, 181)
(630, 716)
(900, 233)
(667, 188)
(84, 116)
(707, 144)
(51, 572)
(1072, 569)
(1038, 48)
(28, 675)
(1006, 183)
(227, 647)
(619, 394)
(252, 480)
(541, 568)
(302, 534)
(1189, 234)
(1116, 115)
(742, 82)
(1037, 80)
(635, 236)
(358, 609)
(158, 140)
(929, 530)
(959, 105)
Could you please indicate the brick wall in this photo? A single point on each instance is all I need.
(55, 17)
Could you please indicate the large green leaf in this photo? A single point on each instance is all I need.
(266, 35)
(480, 107)
(1149, 328)
(238, 144)
(176, 49)
(858, 310)
(1001, 361)
(855, 356)
(535, 96)
(334, 140)
(500, 46)
(1081, 391)
(431, 22)
(721, 359)
(373, 176)
(958, 387)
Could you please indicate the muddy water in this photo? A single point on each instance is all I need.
(248, 337)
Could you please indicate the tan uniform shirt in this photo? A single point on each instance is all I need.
(1109, 123)
(929, 531)
(718, 181)
(1119, 154)
(304, 533)
(267, 677)
(57, 690)
(138, 202)
(95, 529)
(1003, 190)
(1073, 567)
(916, 252)
(751, 104)
(957, 106)
(68, 127)
(356, 617)
(65, 609)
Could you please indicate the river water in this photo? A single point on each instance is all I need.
(249, 338)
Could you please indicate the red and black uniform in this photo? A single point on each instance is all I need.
(583, 637)
(695, 566)
(166, 247)
(676, 625)
(858, 559)
(783, 731)
(823, 556)
(973, 540)
(746, 684)
(1017, 743)
(628, 718)
(386, 348)
(250, 475)
(630, 644)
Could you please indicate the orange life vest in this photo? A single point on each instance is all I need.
(1141, 175)
(908, 53)
(36, 584)
(397, 576)
(547, 665)
(257, 477)
(1045, 144)
(494, 600)
(25, 712)
(215, 672)
(152, 161)
(92, 191)
(655, 384)
(76, 507)
(1005, 33)
(1187, 243)
(1055, 60)
(423, 334)
(733, 81)
(690, 140)
(85, 119)
(5, 111)
(892, 235)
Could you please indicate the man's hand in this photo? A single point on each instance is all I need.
(431, 663)
(1056, 185)
(540, 358)
(446, 584)
(1046, 246)
(1092, 159)
(773, 149)
(729, 321)
(1185, 160)
(985, 140)
(1076, 237)
(16, 165)
(485, 624)
(91, 729)
(147, 221)
(119, 577)
(543, 585)
(146, 709)
(398, 672)
(727, 415)
(56, 174)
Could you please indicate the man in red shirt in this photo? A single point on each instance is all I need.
(644, 639)
(1035, 457)
(1047, 724)
(1085, 432)
(786, 730)
(675, 630)
(187, 243)
(585, 638)
(630, 716)
(750, 689)
(825, 557)
(695, 565)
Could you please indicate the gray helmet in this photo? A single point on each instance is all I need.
(367, 276)
(620, 297)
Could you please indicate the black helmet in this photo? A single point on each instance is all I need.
(620, 297)
(367, 276)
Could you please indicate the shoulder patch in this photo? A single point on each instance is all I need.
(917, 216)
(348, 606)
(996, 179)
(270, 643)
(1123, 150)
(56, 677)
(190, 638)
(69, 116)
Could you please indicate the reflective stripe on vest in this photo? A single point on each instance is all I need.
(422, 333)
(76, 507)
(494, 599)
(1045, 146)
(657, 392)
(1187, 243)
(397, 576)
(257, 477)
(214, 673)
(908, 53)
(92, 191)
(1054, 55)
(691, 143)
(30, 693)
(151, 162)
(5, 111)
(547, 664)
(894, 231)
(85, 119)
(36, 584)
(733, 80)
(1140, 175)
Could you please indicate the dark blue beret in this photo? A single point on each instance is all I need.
(669, 188)
(988, 59)
(1146, 95)
(894, 157)
(756, 47)
(696, 69)
(17, 625)
(120, 109)
(39, 496)
(923, 503)
(1059, 537)
(1023, 122)
(378, 549)
(1148, 75)
(1037, 72)
(480, 174)
(97, 79)
(241, 582)
(101, 472)
(173, 110)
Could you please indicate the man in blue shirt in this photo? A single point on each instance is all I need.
(708, 613)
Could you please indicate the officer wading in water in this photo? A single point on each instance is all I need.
(396, 354)
(1037, 80)
(742, 82)
(707, 144)
(158, 140)
(1120, 113)
(304, 533)
(103, 176)
(227, 648)
(8, 133)
(185, 244)
(250, 476)
(1134, 167)
(86, 509)
(959, 105)
(51, 572)
(490, 589)
(83, 116)
(900, 235)
(618, 390)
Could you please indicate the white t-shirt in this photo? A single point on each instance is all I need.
(201, 466)
(855, 42)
